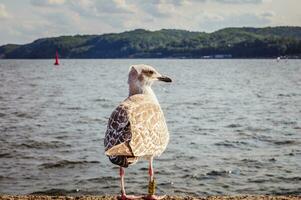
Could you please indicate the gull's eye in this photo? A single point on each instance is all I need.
(148, 72)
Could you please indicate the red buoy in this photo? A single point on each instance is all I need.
(56, 58)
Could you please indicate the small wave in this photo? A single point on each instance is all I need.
(186, 192)
(101, 100)
(234, 144)
(257, 180)
(54, 191)
(286, 191)
(287, 95)
(259, 95)
(246, 160)
(255, 129)
(32, 85)
(198, 129)
(196, 118)
(5, 178)
(98, 180)
(192, 176)
(251, 163)
(66, 163)
(165, 172)
(86, 120)
(233, 126)
(104, 178)
(165, 183)
(286, 122)
(292, 179)
(2, 114)
(61, 136)
(33, 144)
(5, 155)
(272, 159)
(23, 115)
(225, 144)
(218, 173)
(189, 103)
(75, 108)
(106, 106)
(285, 142)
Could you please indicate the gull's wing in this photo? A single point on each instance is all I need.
(148, 128)
(118, 133)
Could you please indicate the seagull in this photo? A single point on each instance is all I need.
(137, 128)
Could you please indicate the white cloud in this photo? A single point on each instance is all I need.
(58, 2)
(83, 7)
(3, 13)
(47, 2)
(240, 20)
(268, 14)
(98, 8)
(240, 1)
(267, 1)
(212, 17)
(116, 14)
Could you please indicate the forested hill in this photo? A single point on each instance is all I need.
(167, 43)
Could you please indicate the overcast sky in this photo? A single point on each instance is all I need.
(22, 21)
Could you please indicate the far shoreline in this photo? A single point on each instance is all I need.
(268, 58)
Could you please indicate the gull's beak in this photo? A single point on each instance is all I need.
(164, 78)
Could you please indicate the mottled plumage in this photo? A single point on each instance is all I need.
(138, 126)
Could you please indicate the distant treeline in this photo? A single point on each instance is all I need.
(167, 43)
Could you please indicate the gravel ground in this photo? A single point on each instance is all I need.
(241, 197)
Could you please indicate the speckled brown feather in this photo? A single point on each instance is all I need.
(139, 123)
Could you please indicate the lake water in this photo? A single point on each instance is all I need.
(235, 127)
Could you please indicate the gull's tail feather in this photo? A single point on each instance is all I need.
(122, 149)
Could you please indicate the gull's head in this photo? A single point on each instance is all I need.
(144, 75)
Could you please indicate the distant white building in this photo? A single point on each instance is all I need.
(219, 56)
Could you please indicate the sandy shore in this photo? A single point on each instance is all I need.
(241, 197)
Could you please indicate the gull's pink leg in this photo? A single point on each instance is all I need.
(152, 185)
(121, 173)
(123, 194)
